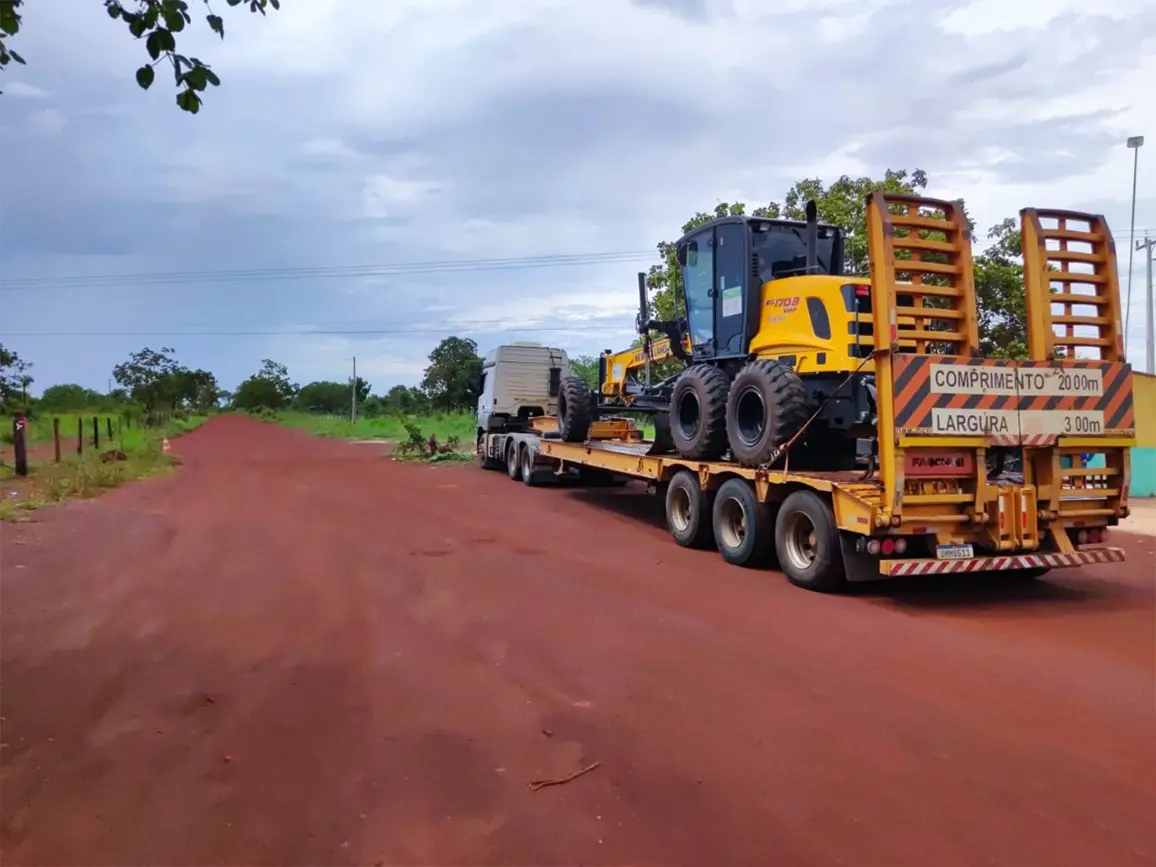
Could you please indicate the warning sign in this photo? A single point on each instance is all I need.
(1015, 381)
(1026, 402)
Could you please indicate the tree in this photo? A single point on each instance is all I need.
(196, 390)
(157, 23)
(405, 400)
(256, 392)
(585, 366)
(999, 290)
(150, 376)
(69, 397)
(372, 407)
(841, 204)
(363, 390)
(453, 378)
(268, 388)
(998, 270)
(14, 377)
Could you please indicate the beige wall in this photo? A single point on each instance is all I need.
(1144, 394)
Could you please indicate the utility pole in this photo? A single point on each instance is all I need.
(1147, 246)
(353, 413)
(1134, 143)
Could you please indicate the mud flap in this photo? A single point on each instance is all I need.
(663, 443)
(857, 566)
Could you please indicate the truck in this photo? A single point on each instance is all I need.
(518, 408)
(931, 459)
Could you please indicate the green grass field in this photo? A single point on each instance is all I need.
(442, 426)
(88, 473)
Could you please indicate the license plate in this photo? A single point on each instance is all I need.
(954, 552)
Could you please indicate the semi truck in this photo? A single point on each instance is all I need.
(934, 491)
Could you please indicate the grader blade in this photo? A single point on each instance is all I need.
(663, 443)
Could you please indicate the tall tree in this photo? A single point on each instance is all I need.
(69, 397)
(999, 290)
(363, 390)
(453, 377)
(157, 23)
(406, 400)
(268, 388)
(14, 376)
(334, 398)
(150, 376)
(196, 390)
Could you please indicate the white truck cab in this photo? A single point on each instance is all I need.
(520, 380)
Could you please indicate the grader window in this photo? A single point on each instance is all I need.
(820, 321)
(781, 250)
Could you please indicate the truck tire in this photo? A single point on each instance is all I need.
(575, 410)
(513, 460)
(742, 525)
(688, 511)
(766, 406)
(698, 413)
(807, 543)
(484, 460)
(529, 478)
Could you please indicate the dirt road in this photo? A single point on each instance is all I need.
(295, 652)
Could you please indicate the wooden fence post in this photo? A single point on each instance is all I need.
(96, 433)
(109, 427)
(79, 435)
(56, 438)
(19, 446)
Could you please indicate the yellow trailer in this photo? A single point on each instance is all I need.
(933, 498)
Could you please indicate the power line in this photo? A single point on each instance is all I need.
(323, 272)
(320, 332)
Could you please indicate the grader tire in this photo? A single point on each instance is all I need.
(698, 413)
(575, 410)
(766, 406)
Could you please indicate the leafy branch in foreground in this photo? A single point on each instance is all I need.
(157, 23)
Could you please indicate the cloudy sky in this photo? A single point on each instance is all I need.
(350, 133)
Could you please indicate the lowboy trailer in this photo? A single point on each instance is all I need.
(935, 496)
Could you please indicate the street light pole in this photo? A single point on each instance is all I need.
(1134, 143)
(1149, 324)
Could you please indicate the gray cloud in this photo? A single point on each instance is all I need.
(426, 134)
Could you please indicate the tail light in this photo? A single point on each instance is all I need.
(886, 547)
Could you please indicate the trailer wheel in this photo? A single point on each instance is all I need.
(575, 413)
(527, 462)
(698, 413)
(742, 525)
(513, 462)
(688, 511)
(766, 406)
(807, 543)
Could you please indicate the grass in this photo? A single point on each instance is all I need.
(441, 425)
(135, 453)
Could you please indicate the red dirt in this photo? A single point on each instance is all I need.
(294, 651)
